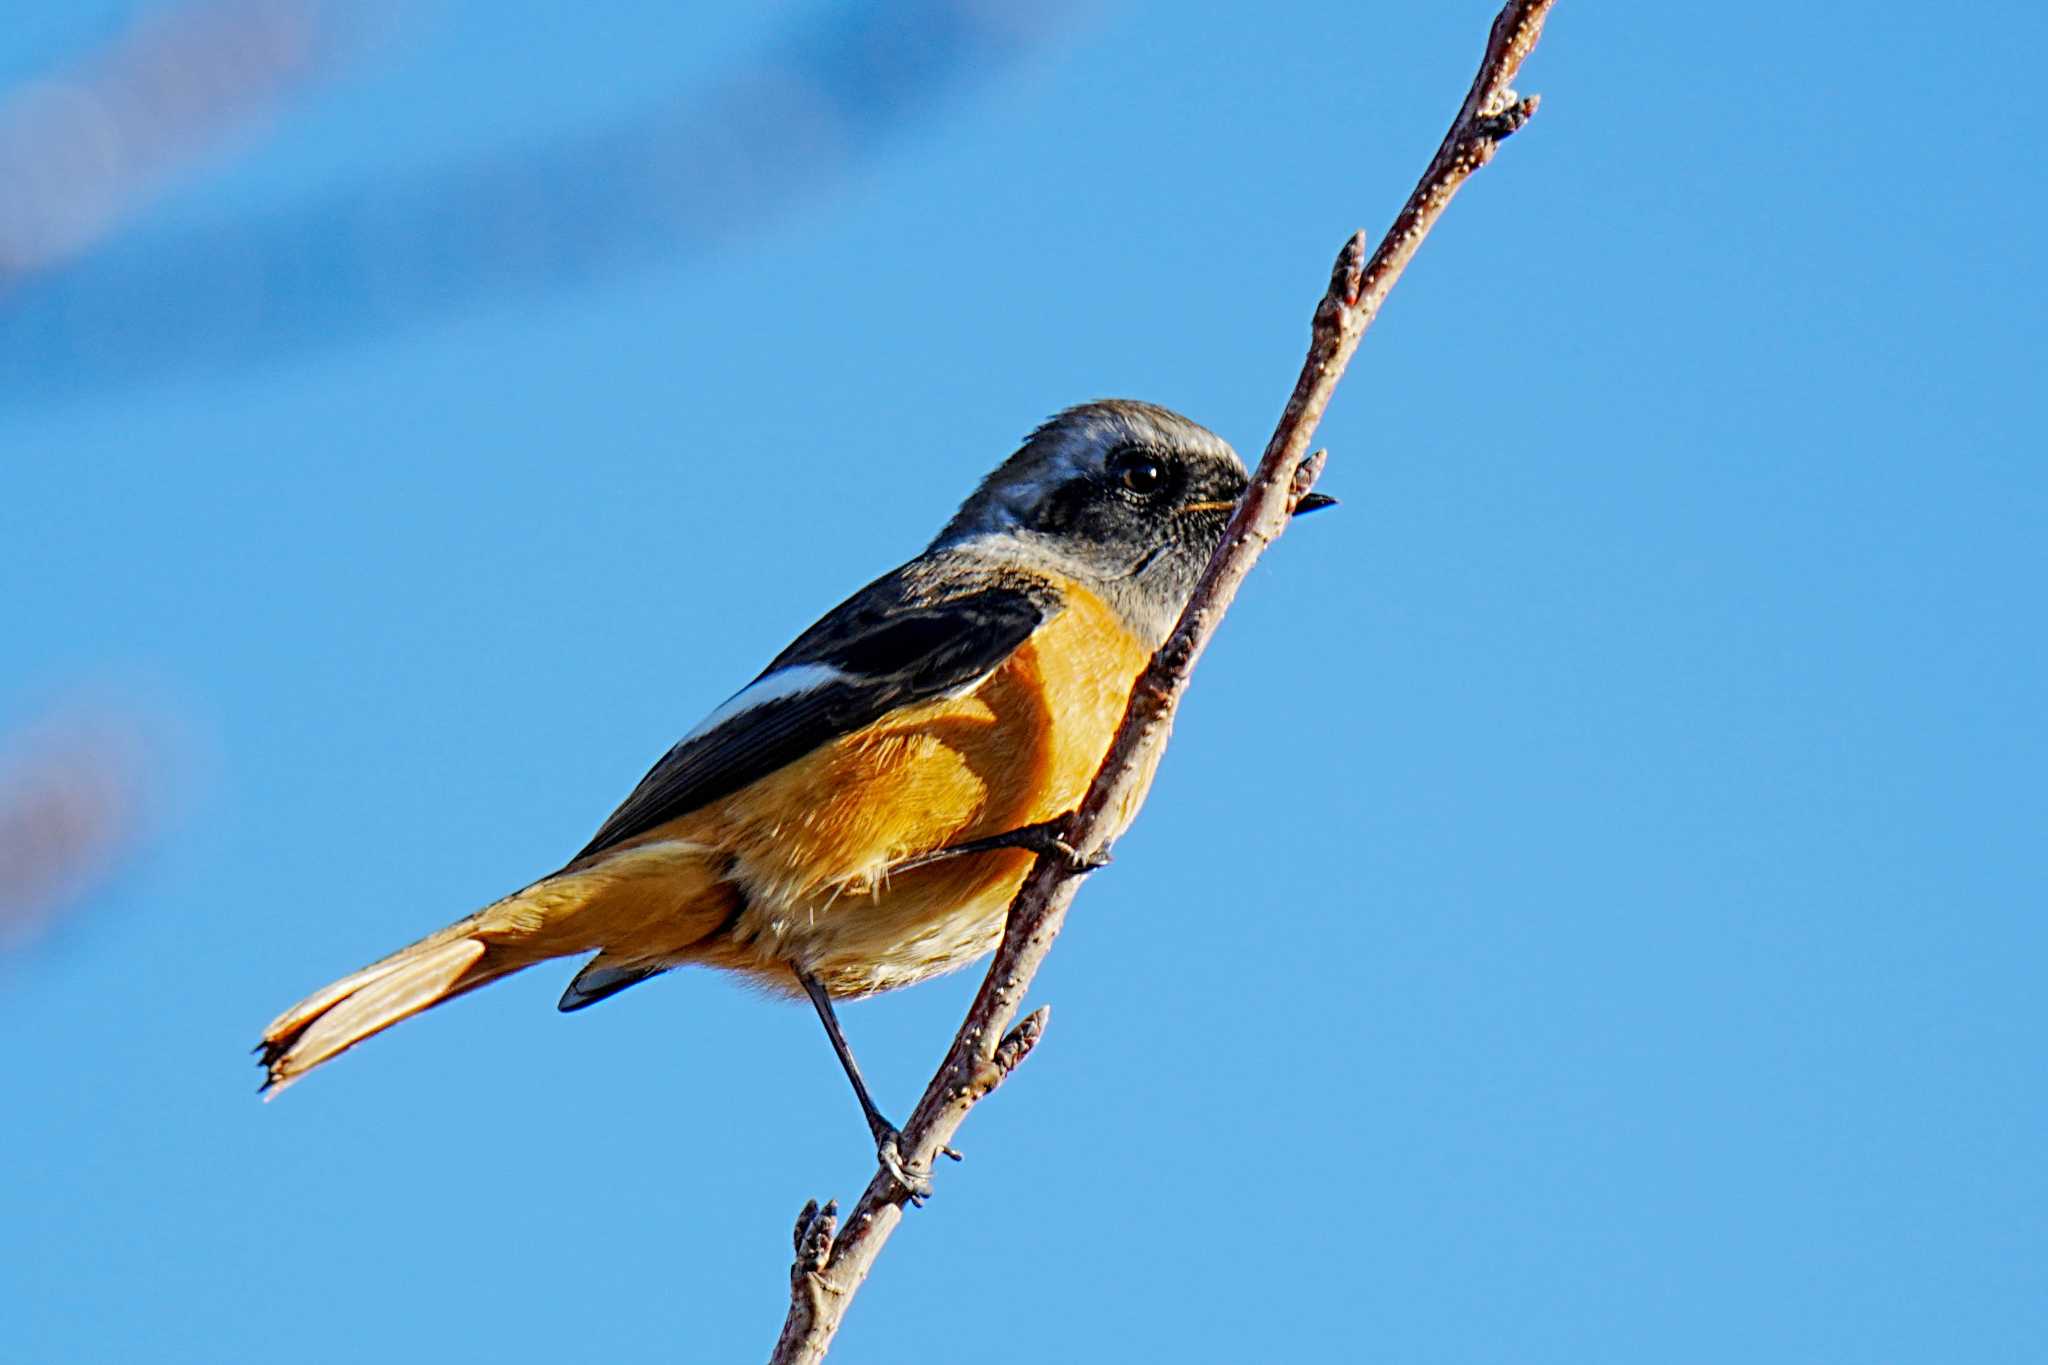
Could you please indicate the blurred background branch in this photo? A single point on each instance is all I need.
(75, 788)
(81, 148)
(672, 181)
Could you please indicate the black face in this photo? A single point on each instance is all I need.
(1140, 492)
(1150, 516)
(1127, 497)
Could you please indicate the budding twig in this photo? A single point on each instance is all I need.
(981, 1055)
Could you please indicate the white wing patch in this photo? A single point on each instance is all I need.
(780, 685)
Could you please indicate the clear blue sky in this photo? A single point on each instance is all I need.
(1592, 909)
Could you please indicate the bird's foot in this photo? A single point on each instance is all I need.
(1048, 837)
(1045, 837)
(915, 1183)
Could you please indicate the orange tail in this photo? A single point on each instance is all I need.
(439, 967)
(646, 905)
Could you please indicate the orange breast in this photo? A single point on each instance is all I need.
(810, 843)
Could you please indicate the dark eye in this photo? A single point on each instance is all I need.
(1140, 474)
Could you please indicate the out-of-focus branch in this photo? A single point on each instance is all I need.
(72, 811)
(78, 150)
(677, 179)
(833, 1258)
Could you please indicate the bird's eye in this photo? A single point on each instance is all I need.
(1140, 474)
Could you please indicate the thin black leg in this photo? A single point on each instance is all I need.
(917, 1186)
(821, 1001)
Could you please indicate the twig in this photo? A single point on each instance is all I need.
(833, 1261)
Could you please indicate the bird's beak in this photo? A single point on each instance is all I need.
(1310, 502)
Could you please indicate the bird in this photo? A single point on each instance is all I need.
(858, 817)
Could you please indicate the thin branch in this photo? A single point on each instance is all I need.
(833, 1257)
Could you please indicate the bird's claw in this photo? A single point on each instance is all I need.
(1078, 861)
(916, 1185)
(1046, 839)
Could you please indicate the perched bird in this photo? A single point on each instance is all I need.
(859, 817)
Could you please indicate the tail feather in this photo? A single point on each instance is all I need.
(646, 904)
(294, 1020)
(603, 977)
(336, 1019)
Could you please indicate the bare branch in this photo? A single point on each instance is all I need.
(982, 1054)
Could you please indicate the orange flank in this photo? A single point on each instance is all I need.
(811, 844)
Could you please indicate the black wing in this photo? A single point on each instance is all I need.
(879, 650)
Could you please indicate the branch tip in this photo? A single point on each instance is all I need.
(805, 1217)
(1347, 276)
(1018, 1042)
(1307, 472)
(816, 1231)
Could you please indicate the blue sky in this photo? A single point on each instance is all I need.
(1591, 910)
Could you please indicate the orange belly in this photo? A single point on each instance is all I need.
(809, 845)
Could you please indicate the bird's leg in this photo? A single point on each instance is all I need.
(888, 1138)
(1047, 836)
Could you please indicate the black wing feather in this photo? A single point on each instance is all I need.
(893, 650)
